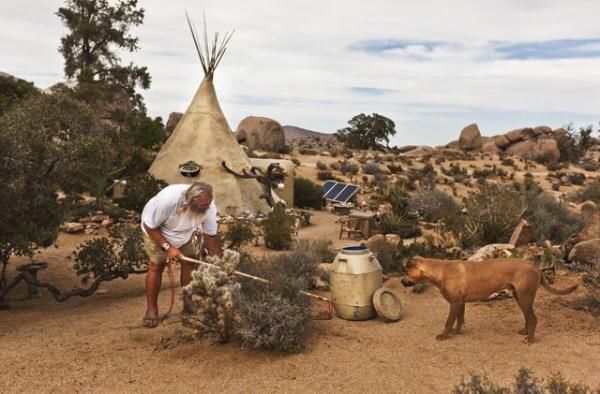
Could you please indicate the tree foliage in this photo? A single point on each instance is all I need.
(46, 142)
(12, 90)
(97, 31)
(367, 131)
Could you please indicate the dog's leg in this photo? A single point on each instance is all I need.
(525, 302)
(460, 319)
(454, 309)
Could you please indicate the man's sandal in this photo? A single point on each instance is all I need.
(150, 322)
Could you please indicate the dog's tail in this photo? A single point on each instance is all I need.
(557, 291)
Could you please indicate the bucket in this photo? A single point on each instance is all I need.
(355, 276)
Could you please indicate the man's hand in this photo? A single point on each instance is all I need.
(174, 253)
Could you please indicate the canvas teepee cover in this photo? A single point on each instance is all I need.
(203, 136)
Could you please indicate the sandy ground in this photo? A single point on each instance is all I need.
(97, 344)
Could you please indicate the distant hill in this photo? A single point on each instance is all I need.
(293, 133)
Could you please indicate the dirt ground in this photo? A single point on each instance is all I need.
(97, 344)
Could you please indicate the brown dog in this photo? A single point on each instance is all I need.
(466, 281)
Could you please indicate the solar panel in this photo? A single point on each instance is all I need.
(334, 191)
(347, 193)
(339, 192)
(327, 186)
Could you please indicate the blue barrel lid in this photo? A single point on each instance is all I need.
(355, 250)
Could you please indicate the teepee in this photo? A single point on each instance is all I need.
(203, 137)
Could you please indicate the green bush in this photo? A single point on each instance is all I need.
(121, 252)
(321, 165)
(404, 225)
(278, 229)
(238, 234)
(491, 215)
(325, 175)
(590, 192)
(139, 190)
(550, 218)
(433, 205)
(307, 194)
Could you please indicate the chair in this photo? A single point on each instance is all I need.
(353, 226)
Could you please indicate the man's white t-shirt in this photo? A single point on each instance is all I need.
(177, 228)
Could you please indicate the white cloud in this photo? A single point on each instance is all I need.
(291, 61)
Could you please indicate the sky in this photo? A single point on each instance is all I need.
(432, 67)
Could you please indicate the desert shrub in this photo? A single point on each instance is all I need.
(491, 215)
(381, 180)
(321, 165)
(426, 248)
(307, 194)
(573, 145)
(348, 168)
(576, 178)
(238, 234)
(507, 161)
(285, 150)
(524, 382)
(335, 166)
(140, 189)
(122, 252)
(13, 90)
(272, 321)
(590, 192)
(395, 169)
(307, 151)
(404, 225)
(296, 161)
(550, 218)
(325, 175)
(433, 205)
(371, 168)
(278, 229)
(591, 166)
(529, 182)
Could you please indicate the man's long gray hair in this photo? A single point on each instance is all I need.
(195, 189)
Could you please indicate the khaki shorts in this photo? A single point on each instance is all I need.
(159, 255)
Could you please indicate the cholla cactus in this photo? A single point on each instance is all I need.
(213, 291)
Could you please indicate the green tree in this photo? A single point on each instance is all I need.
(367, 131)
(47, 142)
(97, 30)
(12, 90)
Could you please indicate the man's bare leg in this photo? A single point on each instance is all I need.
(153, 284)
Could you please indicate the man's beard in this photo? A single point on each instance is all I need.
(195, 211)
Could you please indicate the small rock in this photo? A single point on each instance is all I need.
(90, 231)
(85, 219)
(72, 228)
(586, 252)
(107, 223)
(492, 251)
(97, 218)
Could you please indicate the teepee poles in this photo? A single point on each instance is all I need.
(210, 57)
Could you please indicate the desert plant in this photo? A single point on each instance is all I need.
(140, 189)
(433, 205)
(325, 175)
(524, 382)
(348, 168)
(321, 166)
(278, 229)
(550, 218)
(404, 225)
(237, 234)
(395, 169)
(491, 215)
(590, 192)
(120, 253)
(576, 178)
(425, 248)
(307, 194)
(371, 168)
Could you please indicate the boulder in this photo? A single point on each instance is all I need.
(523, 149)
(372, 242)
(546, 150)
(559, 133)
(406, 148)
(540, 130)
(453, 145)
(586, 252)
(501, 141)
(492, 251)
(470, 138)
(591, 230)
(520, 134)
(491, 146)
(522, 234)
(259, 133)
(72, 227)
(174, 118)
